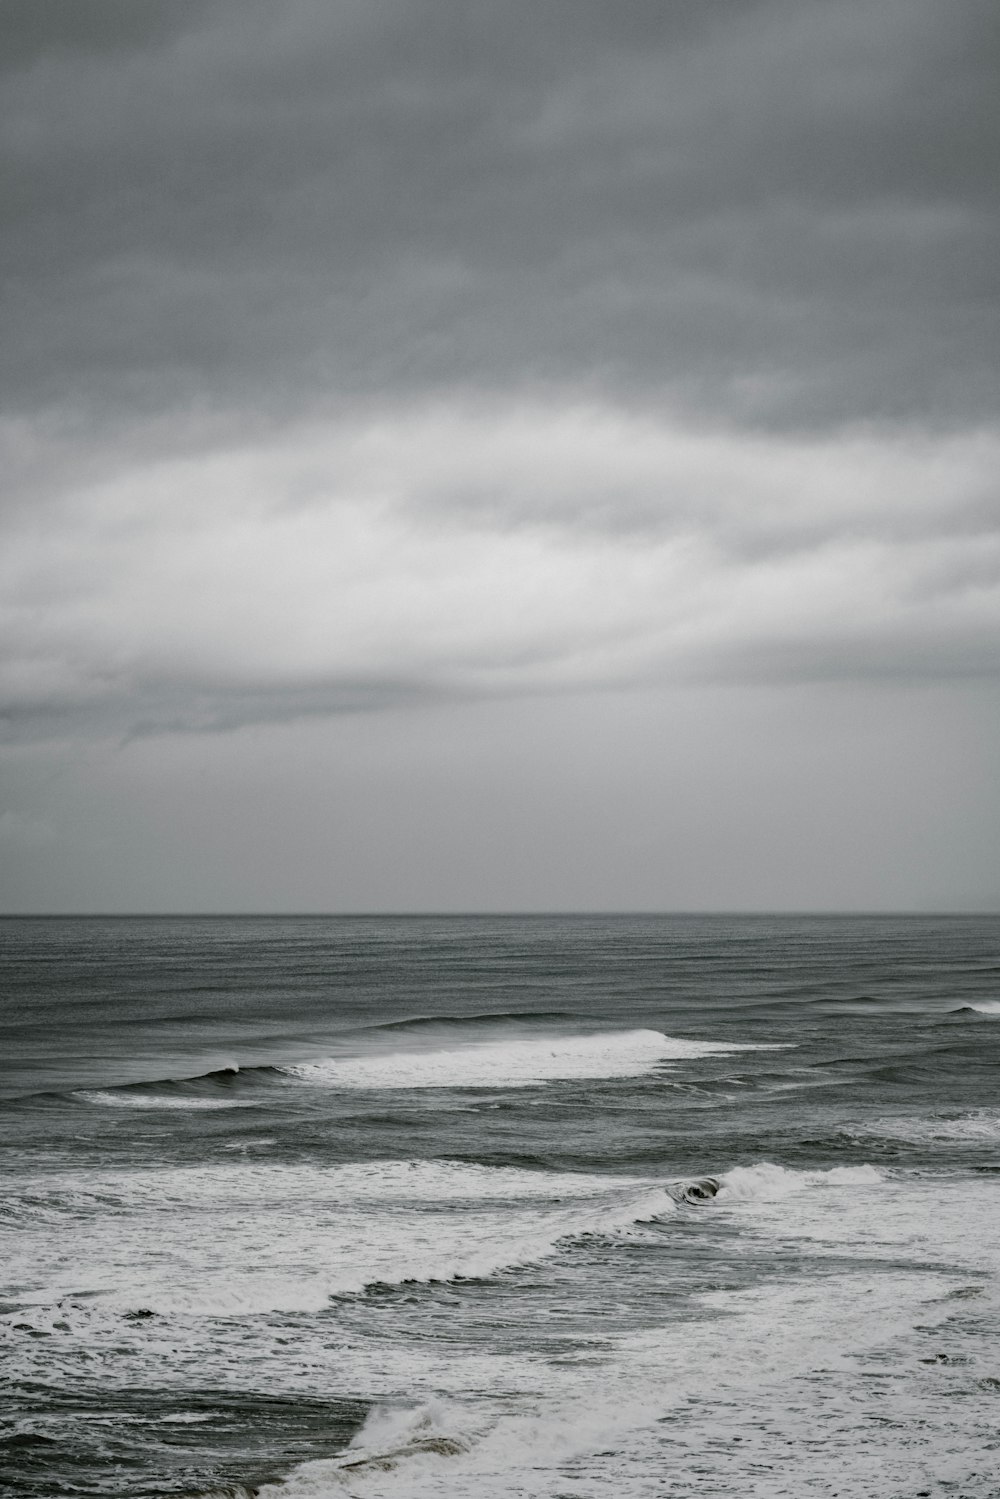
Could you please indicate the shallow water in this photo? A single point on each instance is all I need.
(398, 1206)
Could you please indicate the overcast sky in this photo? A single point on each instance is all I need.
(524, 455)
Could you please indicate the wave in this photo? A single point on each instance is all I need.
(497, 1017)
(390, 1435)
(978, 1125)
(985, 1007)
(228, 1087)
(603, 1432)
(513, 1063)
(128, 1100)
(147, 1244)
(767, 1182)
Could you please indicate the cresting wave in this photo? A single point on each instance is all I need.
(514, 1063)
(295, 1236)
(122, 1243)
(766, 1182)
(503, 1062)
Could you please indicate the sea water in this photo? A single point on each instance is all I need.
(574, 1207)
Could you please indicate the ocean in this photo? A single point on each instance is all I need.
(576, 1207)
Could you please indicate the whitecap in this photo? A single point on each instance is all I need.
(514, 1063)
(766, 1182)
(158, 1101)
(977, 1125)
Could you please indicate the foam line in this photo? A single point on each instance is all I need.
(156, 1101)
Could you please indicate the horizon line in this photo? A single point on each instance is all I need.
(504, 914)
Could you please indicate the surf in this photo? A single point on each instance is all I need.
(514, 1063)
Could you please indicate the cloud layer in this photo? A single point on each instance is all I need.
(781, 211)
(442, 551)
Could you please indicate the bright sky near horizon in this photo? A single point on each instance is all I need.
(499, 457)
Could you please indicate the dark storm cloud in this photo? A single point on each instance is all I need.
(64, 28)
(784, 211)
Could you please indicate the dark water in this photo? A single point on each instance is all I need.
(402, 1206)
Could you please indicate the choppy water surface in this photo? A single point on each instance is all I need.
(574, 1207)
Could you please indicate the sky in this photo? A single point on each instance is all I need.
(503, 457)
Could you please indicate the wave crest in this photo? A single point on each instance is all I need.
(766, 1182)
(513, 1063)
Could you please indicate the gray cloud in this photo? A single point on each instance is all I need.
(784, 211)
(439, 551)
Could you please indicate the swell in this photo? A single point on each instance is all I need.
(196, 1090)
(460, 1022)
(222, 1088)
(491, 1061)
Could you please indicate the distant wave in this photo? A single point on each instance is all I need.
(498, 1017)
(503, 1061)
(229, 1087)
(513, 1063)
(985, 1007)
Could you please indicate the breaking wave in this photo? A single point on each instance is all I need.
(513, 1063)
(766, 1182)
(504, 1061)
(296, 1236)
(144, 1244)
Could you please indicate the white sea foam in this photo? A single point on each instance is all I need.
(159, 1101)
(757, 1391)
(858, 1211)
(766, 1182)
(513, 1063)
(768, 1396)
(975, 1126)
(293, 1236)
(987, 1007)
